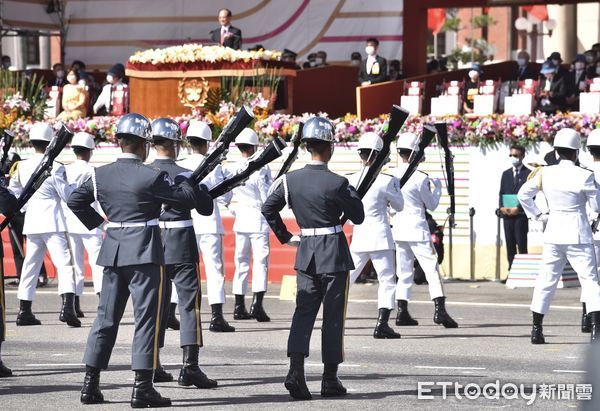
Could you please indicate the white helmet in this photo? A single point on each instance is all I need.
(567, 138)
(370, 141)
(408, 141)
(83, 139)
(41, 132)
(199, 129)
(594, 138)
(247, 136)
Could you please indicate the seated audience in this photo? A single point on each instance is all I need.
(553, 89)
(74, 99)
(525, 70)
(114, 77)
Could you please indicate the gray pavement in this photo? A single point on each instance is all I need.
(491, 344)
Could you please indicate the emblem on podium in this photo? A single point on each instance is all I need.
(193, 93)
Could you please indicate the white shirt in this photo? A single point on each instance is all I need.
(105, 97)
(77, 173)
(249, 200)
(370, 61)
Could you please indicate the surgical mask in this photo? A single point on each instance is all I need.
(473, 74)
(355, 63)
(579, 65)
(60, 74)
(72, 79)
(312, 63)
(370, 50)
(556, 62)
(318, 61)
(110, 79)
(515, 161)
(521, 62)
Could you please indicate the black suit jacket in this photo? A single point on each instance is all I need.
(559, 90)
(373, 78)
(573, 82)
(527, 72)
(318, 198)
(234, 41)
(508, 185)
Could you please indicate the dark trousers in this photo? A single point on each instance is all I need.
(186, 278)
(515, 231)
(145, 283)
(314, 289)
(2, 301)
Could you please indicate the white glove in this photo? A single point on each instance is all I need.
(542, 217)
(294, 241)
(437, 183)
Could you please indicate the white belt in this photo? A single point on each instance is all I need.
(309, 232)
(126, 224)
(176, 224)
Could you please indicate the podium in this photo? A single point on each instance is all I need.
(519, 104)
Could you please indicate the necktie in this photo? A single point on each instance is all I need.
(516, 177)
(223, 31)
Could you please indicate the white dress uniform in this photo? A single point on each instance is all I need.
(209, 232)
(568, 235)
(82, 239)
(372, 240)
(412, 236)
(595, 167)
(251, 230)
(44, 227)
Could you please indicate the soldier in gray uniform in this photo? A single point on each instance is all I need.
(131, 194)
(181, 263)
(318, 198)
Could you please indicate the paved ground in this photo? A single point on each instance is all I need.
(491, 344)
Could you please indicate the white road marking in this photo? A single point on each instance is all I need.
(314, 364)
(75, 364)
(440, 367)
(572, 357)
(570, 371)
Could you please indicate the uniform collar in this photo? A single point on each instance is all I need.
(317, 165)
(566, 162)
(129, 156)
(164, 159)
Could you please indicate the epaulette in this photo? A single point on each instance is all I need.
(13, 168)
(534, 172)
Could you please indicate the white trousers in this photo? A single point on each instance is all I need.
(255, 247)
(424, 252)
(383, 262)
(90, 243)
(58, 248)
(210, 247)
(554, 258)
(174, 295)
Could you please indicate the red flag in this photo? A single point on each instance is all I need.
(436, 19)
(539, 12)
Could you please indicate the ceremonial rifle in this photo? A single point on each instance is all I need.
(287, 164)
(6, 142)
(418, 153)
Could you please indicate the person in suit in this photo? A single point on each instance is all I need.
(553, 89)
(317, 197)
(58, 72)
(576, 80)
(525, 69)
(568, 234)
(516, 224)
(132, 255)
(227, 35)
(373, 69)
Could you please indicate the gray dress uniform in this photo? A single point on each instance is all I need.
(317, 197)
(131, 194)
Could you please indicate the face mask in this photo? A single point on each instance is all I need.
(579, 65)
(318, 61)
(521, 62)
(370, 50)
(515, 161)
(60, 74)
(556, 62)
(473, 74)
(72, 79)
(312, 63)
(589, 59)
(110, 79)
(355, 63)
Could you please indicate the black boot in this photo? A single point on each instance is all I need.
(403, 317)
(4, 370)
(382, 329)
(256, 309)
(67, 312)
(441, 316)
(77, 307)
(90, 393)
(537, 331)
(239, 310)
(295, 382)
(25, 316)
(172, 321)
(160, 374)
(144, 395)
(595, 319)
(331, 386)
(191, 374)
(217, 322)
(586, 322)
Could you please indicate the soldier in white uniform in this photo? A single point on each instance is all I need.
(45, 230)
(413, 238)
(82, 239)
(372, 239)
(251, 233)
(568, 235)
(209, 229)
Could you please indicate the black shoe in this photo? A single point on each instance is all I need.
(295, 383)
(144, 395)
(403, 316)
(172, 321)
(332, 387)
(586, 323)
(595, 320)
(537, 335)
(440, 315)
(257, 310)
(191, 374)
(240, 312)
(25, 316)
(90, 393)
(217, 322)
(5, 371)
(67, 312)
(382, 329)
(77, 307)
(161, 375)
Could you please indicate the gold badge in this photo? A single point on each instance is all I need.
(193, 93)
(375, 69)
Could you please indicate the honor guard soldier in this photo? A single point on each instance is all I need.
(82, 239)
(45, 229)
(209, 229)
(181, 263)
(8, 203)
(372, 240)
(251, 233)
(568, 234)
(413, 238)
(131, 194)
(318, 198)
